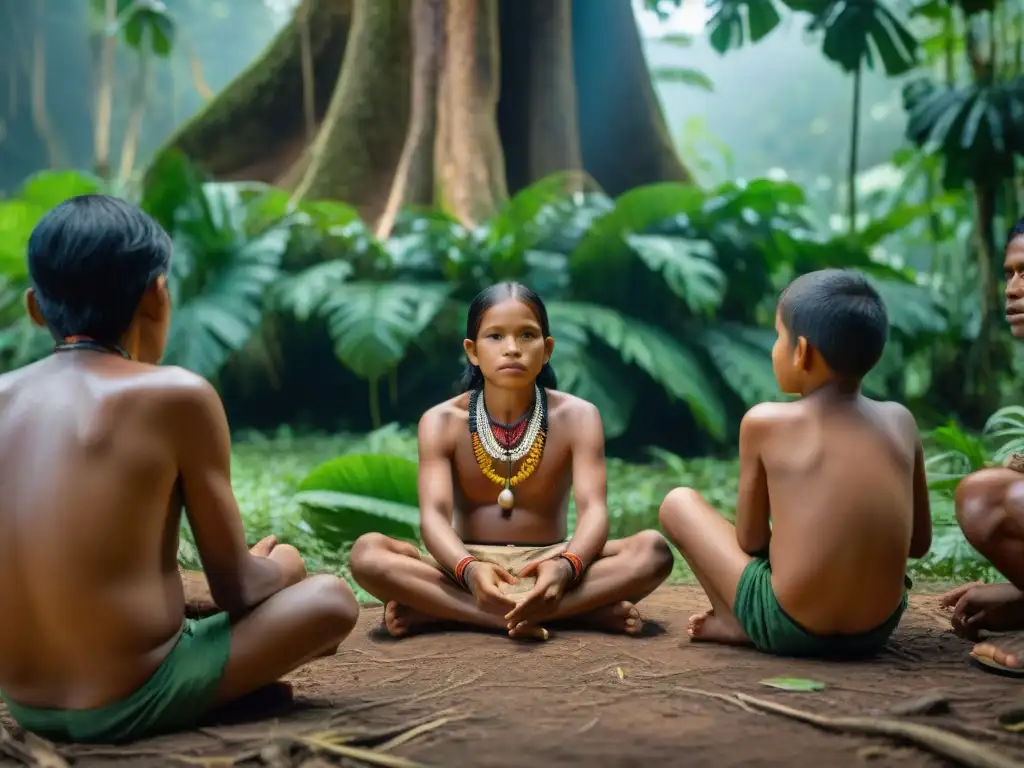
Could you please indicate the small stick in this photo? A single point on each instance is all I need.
(933, 739)
(720, 697)
(419, 730)
(363, 755)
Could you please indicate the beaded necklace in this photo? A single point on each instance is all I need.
(508, 443)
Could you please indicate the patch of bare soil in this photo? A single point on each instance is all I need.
(472, 699)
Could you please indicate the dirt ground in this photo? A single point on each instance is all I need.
(471, 699)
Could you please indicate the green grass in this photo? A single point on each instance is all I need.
(267, 470)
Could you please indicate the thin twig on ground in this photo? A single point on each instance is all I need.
(933, 739)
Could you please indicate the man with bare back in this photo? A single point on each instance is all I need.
(497, 464)
(990, 511)
(832, 496)
(99, 450)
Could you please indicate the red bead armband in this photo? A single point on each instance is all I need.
(575, 562)
(460, 570)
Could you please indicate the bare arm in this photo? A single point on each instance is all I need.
(589, 485)
(238, 579)
(753, 511)
(921, 538)
(436, 496)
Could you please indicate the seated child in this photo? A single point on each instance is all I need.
(841, 478)
(496, 467)
(100, 448)
(990, 510)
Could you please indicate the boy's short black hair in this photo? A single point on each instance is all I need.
(841, 315)
(90, 260)
(1016, 231)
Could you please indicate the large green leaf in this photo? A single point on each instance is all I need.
(733, 21)
(373, 323)
(48, 189)
(913, 309)
(857, 29)
(362, 493)
(743, 356)
(687, 267)
(585, 375)
(661, 357)
(149, 19)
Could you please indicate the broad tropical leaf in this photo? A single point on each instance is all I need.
(48, 189)
(362, 493)
(743, 356)
(913, 309)
(584, 375)
(667, 362)
(686, 265)
(856, 29)
(305, 292)
(732, 22)
(372, 324)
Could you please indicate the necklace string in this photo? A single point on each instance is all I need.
(81, 341)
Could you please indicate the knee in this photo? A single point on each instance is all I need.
(364, 560)
(334, 605)
(676, 504)
(653, 555)
(981, 506)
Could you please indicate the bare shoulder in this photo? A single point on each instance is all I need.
(767, 417)
(571, 411)
(896, 416)
(439, 423)
(176, 388)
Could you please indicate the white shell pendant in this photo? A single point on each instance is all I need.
(506, 500)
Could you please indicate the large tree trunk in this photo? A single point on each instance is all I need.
(502, 94)
(255, 127)
(468, 161)
(360, 142)
(623, 134)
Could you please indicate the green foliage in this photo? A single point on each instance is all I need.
(356, 494)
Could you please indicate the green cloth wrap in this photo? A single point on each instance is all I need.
(771, 630)
(182, 690)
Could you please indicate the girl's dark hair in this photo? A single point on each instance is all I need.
(472, 378)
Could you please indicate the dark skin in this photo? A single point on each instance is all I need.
(98, 455)
(458, 504)
(990, 511)
(839, 540)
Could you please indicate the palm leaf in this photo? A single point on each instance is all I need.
(361, 493)
(667, 362)
(372, 324)
(913, 309)
(305, 292)
(732, 22)
(743, 356)
(687, 267)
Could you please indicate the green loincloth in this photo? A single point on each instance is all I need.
(771, 630)
(182, 690)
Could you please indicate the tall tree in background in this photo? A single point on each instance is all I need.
(456, 103)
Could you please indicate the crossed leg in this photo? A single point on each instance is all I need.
(416, 593)
(307, 619)
(990, 511)
(708, 543)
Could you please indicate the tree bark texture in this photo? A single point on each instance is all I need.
(450, 102)
(468, 160)
(360, 141)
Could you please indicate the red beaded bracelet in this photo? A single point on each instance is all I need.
(460, 570)
(575, 563)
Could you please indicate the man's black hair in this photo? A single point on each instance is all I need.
(90, 260)
(841, 315)
(1015, 232)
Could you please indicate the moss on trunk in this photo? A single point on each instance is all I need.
(623, 135)
(255, 127)
(360, 141)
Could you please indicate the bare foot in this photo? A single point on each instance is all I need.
(709, 627)
(621, 618)
(400, 620)
(1006, 651)
(527, 631)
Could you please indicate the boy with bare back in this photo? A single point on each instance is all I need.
(990, 511)
(840, 478)
(99, 450)
(497, 464)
